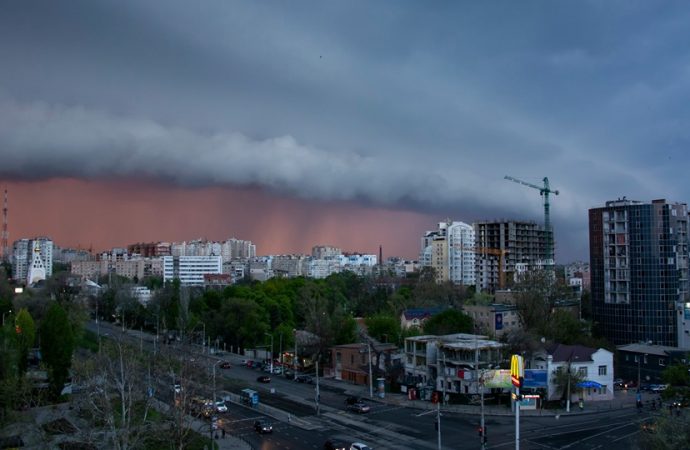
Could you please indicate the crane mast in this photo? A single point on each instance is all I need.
(544, 191)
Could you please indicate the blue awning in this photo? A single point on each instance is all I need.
(589, 384)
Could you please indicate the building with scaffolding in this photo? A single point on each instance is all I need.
(519, 247)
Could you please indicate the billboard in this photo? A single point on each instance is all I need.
(501, 379)
(534, 379)
(499, 321)
(497, 378)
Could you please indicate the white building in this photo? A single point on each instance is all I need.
(322, 268)
(595, 366)
(191, 269)
(229, 249)
(325, 252)
(141, 293)
(451, 251)
(23, 256)
(461, 253)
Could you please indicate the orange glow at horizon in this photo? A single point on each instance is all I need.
(106, 214)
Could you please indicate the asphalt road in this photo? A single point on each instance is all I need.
(389, 426)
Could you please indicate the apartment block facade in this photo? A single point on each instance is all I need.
(191, 269)
(639, 271)
(450, 251)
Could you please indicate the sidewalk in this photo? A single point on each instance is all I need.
(228, 443)
(622, 399)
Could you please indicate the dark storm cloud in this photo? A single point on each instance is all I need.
(402, 103)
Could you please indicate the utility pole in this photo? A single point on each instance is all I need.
(294, 359)
(371, 381)
(318, 394)
(480, 386)
(271, 363)
(438, 424)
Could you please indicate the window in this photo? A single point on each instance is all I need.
(602, 370)
(582, 371)
(662, 362)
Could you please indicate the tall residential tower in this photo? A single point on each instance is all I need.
(639, 271)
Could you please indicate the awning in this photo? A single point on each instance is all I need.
(589, 384)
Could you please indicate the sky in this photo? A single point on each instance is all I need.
(349, 123)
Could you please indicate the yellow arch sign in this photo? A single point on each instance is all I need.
(517, 370)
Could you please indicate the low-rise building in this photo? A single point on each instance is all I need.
(451, 364)
(415, 317)
(644, 363)
(495, 319)
(594, 366)
(351, 361)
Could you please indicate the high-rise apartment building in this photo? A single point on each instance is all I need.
(325, 252)
(512, 247)
(23, 255)
(639, 271)
(450, 250)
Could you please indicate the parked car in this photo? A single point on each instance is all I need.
(359, 408)
(287, 373)
(305, 379)
(658, 387)
(359, 446)
(263, 426)
(334, 444)
(221, 407)
(277, 370)
(352, 400)
(225, 365)
(264, 379)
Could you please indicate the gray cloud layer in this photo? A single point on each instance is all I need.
(400, 103)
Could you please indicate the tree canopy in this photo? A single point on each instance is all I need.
(57, 345)
(448, 322)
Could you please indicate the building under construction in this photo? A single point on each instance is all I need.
(523, 246)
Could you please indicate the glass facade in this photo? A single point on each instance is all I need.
(639, 269)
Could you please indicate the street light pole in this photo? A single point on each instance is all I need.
(318, 394)
(271, 363)
(371, 381)
(294, 358)
(281, 353)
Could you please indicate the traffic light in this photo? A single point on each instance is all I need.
(18, 329)
(436, 425)
(434, 397)
(481, 431)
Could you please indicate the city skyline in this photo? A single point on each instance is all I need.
(355, 125)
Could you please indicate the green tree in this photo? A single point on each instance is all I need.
(57, 346)
(25, 333)
(676, 375)
(566, 380)
(383, 328)
(448, 322)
